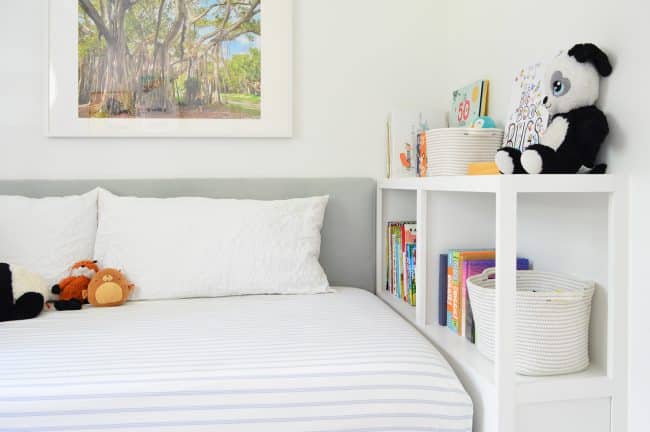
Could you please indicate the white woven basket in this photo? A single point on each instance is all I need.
(551, 321)
(451, 150)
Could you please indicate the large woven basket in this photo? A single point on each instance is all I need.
(551, 320)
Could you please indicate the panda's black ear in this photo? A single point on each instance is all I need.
(589, 52)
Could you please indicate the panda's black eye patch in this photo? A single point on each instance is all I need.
(559, 84)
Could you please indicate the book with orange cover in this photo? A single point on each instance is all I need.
(482, 168)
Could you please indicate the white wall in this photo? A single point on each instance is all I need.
(492, 40)
(353, 61)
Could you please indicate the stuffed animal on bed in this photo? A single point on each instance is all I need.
(71, 289)
(578, 128)
(109, 287)
(22, 293)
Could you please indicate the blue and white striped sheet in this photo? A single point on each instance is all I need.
(340, 362)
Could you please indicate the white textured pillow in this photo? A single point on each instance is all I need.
(48, 235)
(201, 247)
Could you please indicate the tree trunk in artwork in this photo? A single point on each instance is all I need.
(216, 95)
(116, 88)
(161, 97)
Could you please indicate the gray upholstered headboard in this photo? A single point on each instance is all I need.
(348, 245)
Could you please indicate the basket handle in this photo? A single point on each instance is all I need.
(490, 271)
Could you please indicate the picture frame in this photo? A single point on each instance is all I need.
(65, 116)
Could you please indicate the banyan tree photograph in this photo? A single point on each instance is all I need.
(169, 59)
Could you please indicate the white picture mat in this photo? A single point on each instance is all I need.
(62, 85)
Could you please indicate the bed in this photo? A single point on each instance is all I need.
(341, 361)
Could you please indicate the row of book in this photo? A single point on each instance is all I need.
(400, 260)
(454, 306)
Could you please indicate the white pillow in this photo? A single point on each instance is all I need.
(48, 235)
(201, 247)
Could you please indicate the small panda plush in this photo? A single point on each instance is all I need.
(22, 293)
(577, 129)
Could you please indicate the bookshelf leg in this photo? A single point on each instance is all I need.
(506, 264)
(617, 305)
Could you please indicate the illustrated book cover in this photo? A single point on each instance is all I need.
(468, 104)
(527, 116)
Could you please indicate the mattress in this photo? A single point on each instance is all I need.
(331, 362)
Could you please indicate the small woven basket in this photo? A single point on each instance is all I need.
(551, 321)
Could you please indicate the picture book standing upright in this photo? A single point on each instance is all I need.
(468, 104)
(527, 117)
(403, 130)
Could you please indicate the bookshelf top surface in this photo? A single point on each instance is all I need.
(544, 183)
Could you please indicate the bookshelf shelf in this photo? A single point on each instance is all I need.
(601, 183)
(499, 394)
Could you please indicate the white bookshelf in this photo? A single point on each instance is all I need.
(584, 229)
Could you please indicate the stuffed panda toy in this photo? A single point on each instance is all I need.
(572, 140)
(22, 293)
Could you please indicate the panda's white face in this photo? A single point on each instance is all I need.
(570, 84)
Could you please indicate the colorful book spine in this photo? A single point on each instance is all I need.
(400, 260)
(456, 302)
(410, 236)
(397, 236)
(442, 290)
(414, 292)
(452, 311)
(410, 281)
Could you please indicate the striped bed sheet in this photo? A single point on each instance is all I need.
(331, 362)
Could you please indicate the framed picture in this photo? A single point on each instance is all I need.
(169, 68)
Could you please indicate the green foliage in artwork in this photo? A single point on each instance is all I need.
(242, 98)
(89, 41)
(242, 73)
(163, 56)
